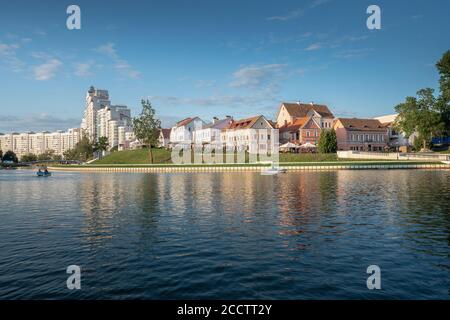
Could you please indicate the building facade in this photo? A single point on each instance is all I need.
(361, 134)
(101, 119)
(39, 143)
(211, 133)
(301, 123)
(397, 139)
(182, 132)
(255, 135)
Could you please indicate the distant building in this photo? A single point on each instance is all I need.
(254, 135)
(39, 143)
(101, 119)
(164, 138)
(182, 132)
(289, 112)
(397, 139)
(301, 123)
(211, 133)
(361, 134)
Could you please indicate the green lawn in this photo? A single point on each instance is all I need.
(139, 156)
(162, 157)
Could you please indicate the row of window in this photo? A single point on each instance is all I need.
(367, 137)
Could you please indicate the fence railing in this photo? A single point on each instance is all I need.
(393, 156)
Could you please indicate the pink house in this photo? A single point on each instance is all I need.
(360, 134)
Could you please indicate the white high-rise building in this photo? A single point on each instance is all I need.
(38, 143)
(101, 119)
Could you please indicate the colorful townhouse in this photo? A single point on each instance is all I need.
(302, 123)
(255, 135)
(361, 134)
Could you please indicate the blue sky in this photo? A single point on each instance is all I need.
(214, 58)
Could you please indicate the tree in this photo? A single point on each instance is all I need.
(327, 141)
(443, 67)
(101, 145)
(146, 127)
(29, 157)
(1, 155)
(419, 114)
(82, 151)
(10, 156)
(47, 155)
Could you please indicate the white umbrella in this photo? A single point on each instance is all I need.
(289, 145)
(307, 145)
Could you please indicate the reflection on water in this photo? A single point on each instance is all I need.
(306, 235)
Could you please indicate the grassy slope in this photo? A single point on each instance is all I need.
(139, 156)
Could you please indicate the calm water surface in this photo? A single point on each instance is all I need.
(225, 235)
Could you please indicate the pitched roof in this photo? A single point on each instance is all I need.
(294, 126)
(166, 133)
(355, 124)
(243, 123)
(300, 110)
(185, 121)
(219, 124)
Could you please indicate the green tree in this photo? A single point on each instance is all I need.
(82, 151)
(47, 155)
(29, 157)
(146, 127)
(443, 67)
(1, 155)
(10, 156)
(101, 145)
(327, 141)
(420, 115)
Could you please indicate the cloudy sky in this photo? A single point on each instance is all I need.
(214, 58)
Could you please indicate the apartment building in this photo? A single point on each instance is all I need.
(101, 119)
(38, 143)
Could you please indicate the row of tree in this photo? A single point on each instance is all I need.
(427, 115)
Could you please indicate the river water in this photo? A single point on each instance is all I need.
(305, 235)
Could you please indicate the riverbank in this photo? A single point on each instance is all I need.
(289, 166)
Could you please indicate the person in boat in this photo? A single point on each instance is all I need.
(46, 171)
(39, 171)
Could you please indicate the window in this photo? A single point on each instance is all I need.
(307, 134)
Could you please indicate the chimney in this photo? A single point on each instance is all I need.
(298, 102)
(215, 119)
(311, 103)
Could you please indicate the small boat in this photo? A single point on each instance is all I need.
(43, 174)
(272, 171)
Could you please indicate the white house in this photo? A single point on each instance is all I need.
(182, 132)
(211, 133)
(396, 139)
(255, 135)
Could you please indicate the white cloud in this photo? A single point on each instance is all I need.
(317, 3)
(257, 76)
(47, 70)
(8, 55)
(313, 47)
(288, 16)
(83, 69)
(120, 64)
(36, 122)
